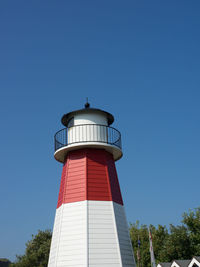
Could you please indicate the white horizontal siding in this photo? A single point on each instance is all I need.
(68, 246)
(102, 237)
(126, 250)
(91, 234)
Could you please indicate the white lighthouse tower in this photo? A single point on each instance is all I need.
(90, 228)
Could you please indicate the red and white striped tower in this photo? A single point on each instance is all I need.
(90, 228)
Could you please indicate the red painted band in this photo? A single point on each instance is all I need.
(89, 174)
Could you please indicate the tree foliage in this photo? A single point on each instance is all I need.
(175, 242)
(192, 221)
(37, 251)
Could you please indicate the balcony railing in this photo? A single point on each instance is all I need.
(87, 133)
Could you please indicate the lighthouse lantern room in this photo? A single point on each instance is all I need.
(90, 228)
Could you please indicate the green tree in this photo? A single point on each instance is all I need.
(178, 244)
(141, 233)
(37, 251)
(192, 222)
(159, 236)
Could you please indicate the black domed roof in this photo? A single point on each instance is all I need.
(66, 117)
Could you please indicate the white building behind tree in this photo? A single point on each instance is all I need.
(194, 262)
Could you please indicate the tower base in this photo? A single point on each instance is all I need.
(91, 234)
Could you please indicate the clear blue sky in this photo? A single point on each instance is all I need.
(139, 60)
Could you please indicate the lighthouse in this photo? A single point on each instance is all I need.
(90, 227)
